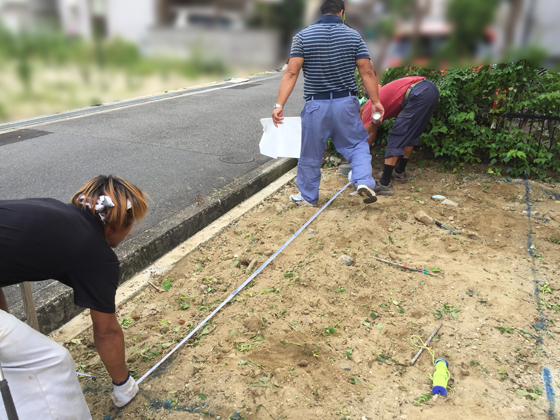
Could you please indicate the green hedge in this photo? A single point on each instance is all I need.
(467, 128)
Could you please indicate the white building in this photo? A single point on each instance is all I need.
(175, 28)
(24, 15)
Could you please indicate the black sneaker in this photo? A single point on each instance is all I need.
(367, 193)
(344, 169)
(400, 178)
(383, 190)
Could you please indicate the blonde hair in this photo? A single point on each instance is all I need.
(121, 193)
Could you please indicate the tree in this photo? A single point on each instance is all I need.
(470, 19)
(286, 16)
(515, 9)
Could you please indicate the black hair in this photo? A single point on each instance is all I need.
(332, 7)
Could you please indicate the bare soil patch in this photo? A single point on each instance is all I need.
(314, 338)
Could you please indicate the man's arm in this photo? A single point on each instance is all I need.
(369, 81)
(287, 85)
(3, 303)
(109, 342)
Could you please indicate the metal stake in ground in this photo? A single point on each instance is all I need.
(426, 344)
(85, 375)
(241, 287)
(7, 398)
(445, 227)
(406, 267)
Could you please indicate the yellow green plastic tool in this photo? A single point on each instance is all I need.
(441, 377)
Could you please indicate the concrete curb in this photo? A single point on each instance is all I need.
(55, 306)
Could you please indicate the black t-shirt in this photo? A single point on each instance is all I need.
(42, 239)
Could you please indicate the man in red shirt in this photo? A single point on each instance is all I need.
(412, 100)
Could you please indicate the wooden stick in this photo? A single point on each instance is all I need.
(159, 289)
(406, 267)
(426, 344)
(29, 305)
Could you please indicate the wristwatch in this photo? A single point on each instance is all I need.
(278, 106)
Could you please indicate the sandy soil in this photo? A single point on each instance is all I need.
(313, 338)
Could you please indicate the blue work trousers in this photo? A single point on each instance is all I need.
(340, 120)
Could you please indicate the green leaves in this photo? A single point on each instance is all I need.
(424, 398)
(384, 359)
(126, 322)
(447, 309)
(531, 395)
(329, 330)
(167, 284)
(503, 330)
(468, 124)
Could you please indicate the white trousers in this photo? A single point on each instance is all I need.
(41, 374)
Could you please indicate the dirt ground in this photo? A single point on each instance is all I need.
(313, 338)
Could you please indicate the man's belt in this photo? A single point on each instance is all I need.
(407, 94)
(333, 95)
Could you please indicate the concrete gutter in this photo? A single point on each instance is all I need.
(55, 304)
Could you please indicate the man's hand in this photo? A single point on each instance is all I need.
(123, 394)
(278, 116)
(377, 107)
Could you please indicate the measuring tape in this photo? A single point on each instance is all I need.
(262, 267)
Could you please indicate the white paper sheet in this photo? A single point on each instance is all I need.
(284, 141)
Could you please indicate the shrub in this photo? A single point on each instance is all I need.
(468, 125)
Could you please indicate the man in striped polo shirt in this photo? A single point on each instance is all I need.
(329, 52)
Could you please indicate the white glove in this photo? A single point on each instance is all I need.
(123, 394)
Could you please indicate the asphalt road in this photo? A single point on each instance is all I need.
(177, 150)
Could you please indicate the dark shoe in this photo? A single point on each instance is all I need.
(367, 193)
(344, 169)
(400, 178)
(383, 190)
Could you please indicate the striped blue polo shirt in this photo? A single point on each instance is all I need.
(329, 50)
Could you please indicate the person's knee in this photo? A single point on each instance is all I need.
(310, 163)
(394, 153)
(61, 358)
